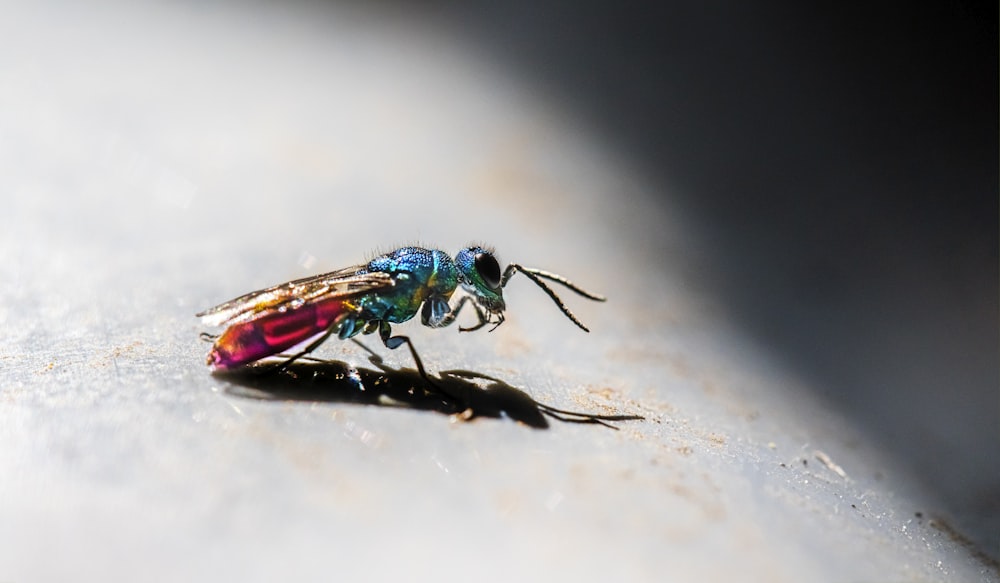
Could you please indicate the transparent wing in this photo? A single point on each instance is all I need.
(293, 294)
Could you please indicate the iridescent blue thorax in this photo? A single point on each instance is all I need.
(419, 275)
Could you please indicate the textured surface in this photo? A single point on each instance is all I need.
(155, 161)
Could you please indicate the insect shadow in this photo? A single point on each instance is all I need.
(462, 393)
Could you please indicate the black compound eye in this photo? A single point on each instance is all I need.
(488, 269)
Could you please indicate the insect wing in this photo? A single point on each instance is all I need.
(293, 294)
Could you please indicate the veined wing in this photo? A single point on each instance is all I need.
(293, 294)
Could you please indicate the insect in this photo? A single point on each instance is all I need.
(389, 289)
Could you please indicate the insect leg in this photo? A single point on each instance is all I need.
(394, 342)
(483, 319)
(450, 317)
(312, 346)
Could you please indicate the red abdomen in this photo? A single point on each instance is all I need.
(247, 342)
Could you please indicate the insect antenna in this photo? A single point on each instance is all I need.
(560, 279)
(537, 275)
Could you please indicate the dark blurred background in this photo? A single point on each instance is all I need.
(841, 161)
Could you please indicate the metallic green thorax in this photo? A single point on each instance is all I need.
(419, 276)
